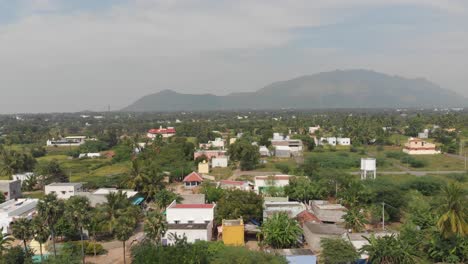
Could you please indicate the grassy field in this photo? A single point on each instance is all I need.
(221, 173)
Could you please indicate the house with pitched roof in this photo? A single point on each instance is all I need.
(192, 180)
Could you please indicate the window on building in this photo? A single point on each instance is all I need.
(177, 221)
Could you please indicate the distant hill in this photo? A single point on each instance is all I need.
(336, 89)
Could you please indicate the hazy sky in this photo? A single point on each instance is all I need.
(72, 55)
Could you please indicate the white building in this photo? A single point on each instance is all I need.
(368, 168)
(240, 185)
(221, 162)
(64, 190)
(100, 195)
(328, 212)
(23, 176)
(343, 141)
(333, 141)
(217, 143)
(282, 151)
(313, 129)
(16, 209)
(262, 182)
(71, 141)
(264, 151)
(89, 155)
(194, 221)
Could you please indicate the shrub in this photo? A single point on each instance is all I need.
(425, 185)
(284, 168)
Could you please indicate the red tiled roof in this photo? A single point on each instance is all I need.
(193, 206)
(162, 131)
(276, 177)
(193, 177)
(231, 182)
(306, 216)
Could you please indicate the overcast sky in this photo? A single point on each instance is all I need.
(73, 55)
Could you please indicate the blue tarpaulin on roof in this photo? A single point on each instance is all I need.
(138, 200)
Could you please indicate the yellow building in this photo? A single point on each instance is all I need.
(203, 167)
(233, 232)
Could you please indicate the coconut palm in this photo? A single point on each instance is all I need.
(50, 209)
(453, 219)
(5, 241)
(77, 210)
(355, 219)
(21, 229)
(279, 231)
(117, 203)
(124, 229)
(41, 233)
(155, 226)
(165, 197)
(94, 224)
(388, 250)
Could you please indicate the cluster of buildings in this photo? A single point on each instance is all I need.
(284, 147)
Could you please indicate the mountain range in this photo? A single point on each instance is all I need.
(335, 89)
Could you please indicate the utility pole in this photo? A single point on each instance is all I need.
(383, 216)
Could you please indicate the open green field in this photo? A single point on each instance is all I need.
(221, 173)
(96, 172)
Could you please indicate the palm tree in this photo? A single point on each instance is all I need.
(49, 210)
(116, 204)
(77, 210)
(388, 250)
(5, 241)
(124, 229)
(22, 230)
(41, 233)
(279, 231)
(453, 219)
(155, 226)
(355, 219)
(165, 197)
(93, 225)
(135, 180)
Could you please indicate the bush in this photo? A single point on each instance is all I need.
(459, 177)
(284, 168)
(426, 185)
(416, 163)
(74, 248)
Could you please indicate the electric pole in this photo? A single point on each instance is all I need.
(383, 216)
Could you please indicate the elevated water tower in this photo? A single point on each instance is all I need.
(368, 168)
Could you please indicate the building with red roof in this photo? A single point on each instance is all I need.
(192, 180)
(164, 132)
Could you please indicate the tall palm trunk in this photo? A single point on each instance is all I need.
(125, 261)
(25, 247)
(82, 245)
(53, 240)
(40, 250)
(94, 244)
